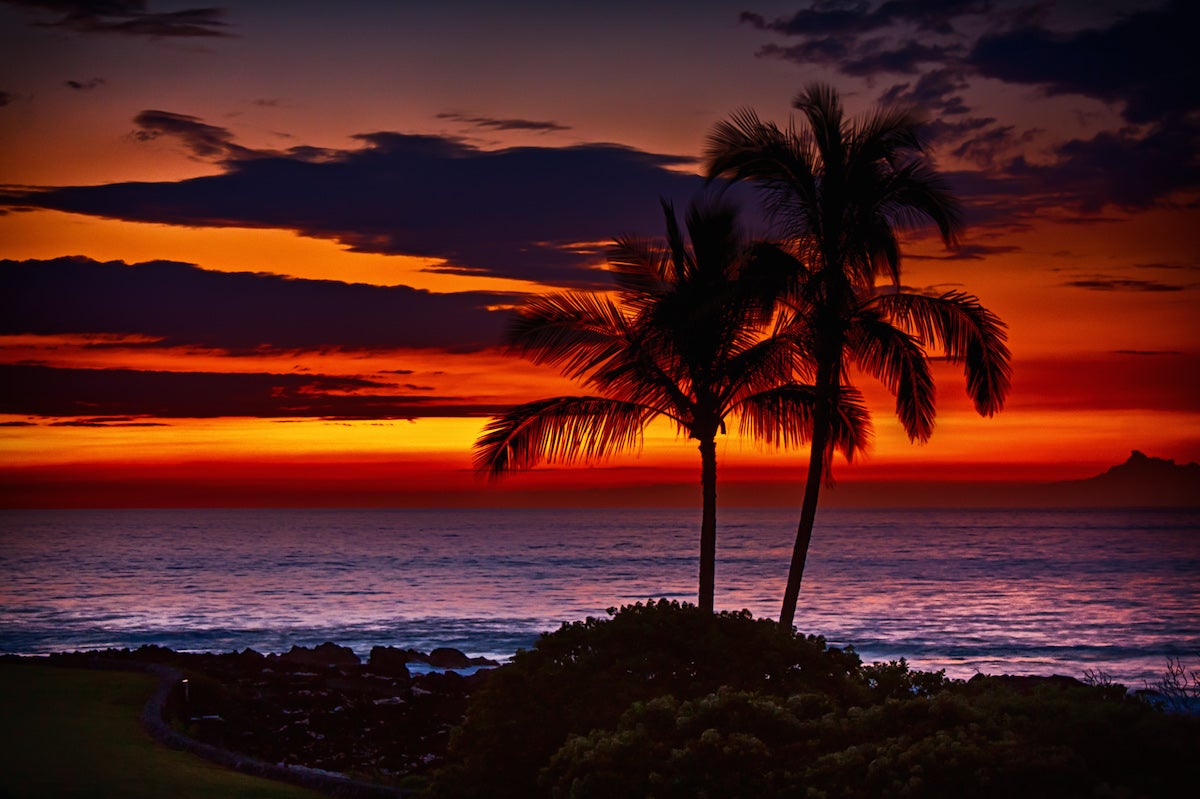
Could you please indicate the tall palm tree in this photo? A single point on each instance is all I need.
(842, 190)
(687, 337)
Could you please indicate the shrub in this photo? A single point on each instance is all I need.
(990, 739)
(583, 676)
(665, 700)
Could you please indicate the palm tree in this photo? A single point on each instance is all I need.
(842, 191)
(687, 338)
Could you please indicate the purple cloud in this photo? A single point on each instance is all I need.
(503, 123)
(517, 212)
(182, 305)
(1143, 62)
(204, 140)
(84, 85)
(129, 17)
(131, 395)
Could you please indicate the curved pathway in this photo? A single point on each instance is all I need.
(153, 719)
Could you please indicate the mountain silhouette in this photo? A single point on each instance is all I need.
(1140, 480)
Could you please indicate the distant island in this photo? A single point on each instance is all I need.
(1142, 481)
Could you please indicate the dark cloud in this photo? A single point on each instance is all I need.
(204, 140)
(1122, 284)
(1144, 62)
(516, 212)
(84, 85)
(130, 394)
(108, 421)
(1139, 61)
(861, 58)
(6, 98)
(128, 17)
(1162, 265)
(853, 17)
(988, 147)
(968, 252)
(174, 304)
(876, 56)
(937, 91)
(1129, 168)
(499, 123)
(864, 39)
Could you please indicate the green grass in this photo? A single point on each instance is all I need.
(76, 733)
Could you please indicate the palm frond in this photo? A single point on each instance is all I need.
(887, 133)
(639, 267)
(576, 331)
(680, 261)
(852, 431)
(783, 417)
(916, 195)
(820, 104)
(968, 333)
(783, 163)
(898, 361)
(559, 430)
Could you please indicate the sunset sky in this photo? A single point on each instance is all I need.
(263, 253)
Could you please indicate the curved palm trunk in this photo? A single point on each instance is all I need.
(822, 418)
(708, 524)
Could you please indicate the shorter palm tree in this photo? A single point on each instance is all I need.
(689, 337)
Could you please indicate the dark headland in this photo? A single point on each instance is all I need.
(1142, 481)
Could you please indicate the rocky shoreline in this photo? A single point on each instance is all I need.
(321, 709)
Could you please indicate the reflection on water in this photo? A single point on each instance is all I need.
(994, 591)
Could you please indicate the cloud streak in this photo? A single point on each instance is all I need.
(129, 18)
(503, 123)
(84, 85)
(172, 304)
(515, 213)
(1138, 63)
(101, 395)
(1122, 284)
(202, 139)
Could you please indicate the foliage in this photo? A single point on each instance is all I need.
(583, 677)
(1179, 688)
(665, 700)
(980, 740)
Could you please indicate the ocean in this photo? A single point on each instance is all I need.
(991, 591)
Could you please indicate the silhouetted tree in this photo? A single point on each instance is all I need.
(687, 337)
(841, 190)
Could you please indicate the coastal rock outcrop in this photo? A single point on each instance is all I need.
(323, 656)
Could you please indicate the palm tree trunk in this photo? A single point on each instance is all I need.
(822, 418)
(708, 524)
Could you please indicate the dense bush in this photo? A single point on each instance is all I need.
(986, 741)
(663, 700)
(583, 676)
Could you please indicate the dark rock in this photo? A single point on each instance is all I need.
(484, 662)
(389, 660)
(327, 654)
(448, 658)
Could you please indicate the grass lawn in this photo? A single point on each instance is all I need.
(75, 732)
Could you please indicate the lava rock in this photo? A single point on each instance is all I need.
(325, 655)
